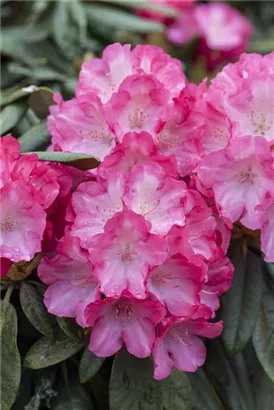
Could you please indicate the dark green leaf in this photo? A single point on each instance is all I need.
(220, 373)
(10, 357)
(51, 350)
(34, 138)
(39, 73)
(239, 368)
(89, 365)
(204, 395)
(177, 391)
(80, 161)
(61, 24)
(70, 327)
(263, 389)
(73, 397)
(34, 308)
(263, 335)
(121, 20)
(132, 386)
(40, 100)
(11, 115)
(79, 17)
(240, 305)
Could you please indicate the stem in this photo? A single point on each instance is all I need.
(65, 375)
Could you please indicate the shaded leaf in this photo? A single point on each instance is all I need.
(12, 94)
(263, 335)
(263, 389)
(80, 161)
(89, 365)
(11, 115)
(204, 395)
(40, 100)
(35, 137)
(10, 356)
(241, 304)
(73, 397)
(239, 368)
(177, 391)
(162, 9)
(122, 20)
(34, 309)
(132, 385)
(70, 327)
(51, 350)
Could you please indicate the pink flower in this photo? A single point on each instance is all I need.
(136, 148)
(5, 265)
(125, 320)
(10, 153)
(266, 210)
(179, 346)
(183, 28)
(240, 177)
(93, 204)
(69, 275)
(80, 126)
(140, 104)
(151, 193)
(153, 60)
(177, 284)
(124, 253)
(103, 76)
(22, 221)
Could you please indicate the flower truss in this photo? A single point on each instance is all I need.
(136, 250)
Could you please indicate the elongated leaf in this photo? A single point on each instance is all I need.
(162, 9)
(121, 20)
(11, 115)
(220, 373)
(239, 368)
(263, 389)
(132, 385)
(70, 327)
(240, 305)
(204, 396)
(73, 397)
(36, 137)
(79, 16)
(51, 350)
(89, 365)
(40, 100)
(60, 24)
(34, 308)
(80, 161)
(177, 392)
(12, 94)
(263, 335)
(10, 357)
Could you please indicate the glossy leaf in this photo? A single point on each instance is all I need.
(11, 115)
(51, 350)
(89, 365)
(240, 305)
(34, 309)
(10, 356)
(177, 391)
(80, 161)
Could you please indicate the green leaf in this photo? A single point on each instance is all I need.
(89, 365)
(34, 309)
(10, 356)
(80, 161)
(121, 20)
(11, 115)
(40, 100)
(12, 94)
(263, 389)
(70, 327)
(241, 304)
(263, 335)
(73, 397)
(79, 17)
(51, 350)
(220, 373)
(60, 24)
(35, 137)
(239, 368)
(177, 391)
(162, 9)
(204, 395)
(132, 386)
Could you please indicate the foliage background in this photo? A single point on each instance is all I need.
(44, 360)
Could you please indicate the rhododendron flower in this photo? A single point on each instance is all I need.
(177, 284)
(267, 229)
(151, 193)
(125, 320)
(178, 345)
(69, 275)
(94, 204)
(80, 127)
(124, 253)
(240, 176)
(22, 221)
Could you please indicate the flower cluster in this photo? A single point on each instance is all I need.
(142, 260)
(28, 188)
(222, 31)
